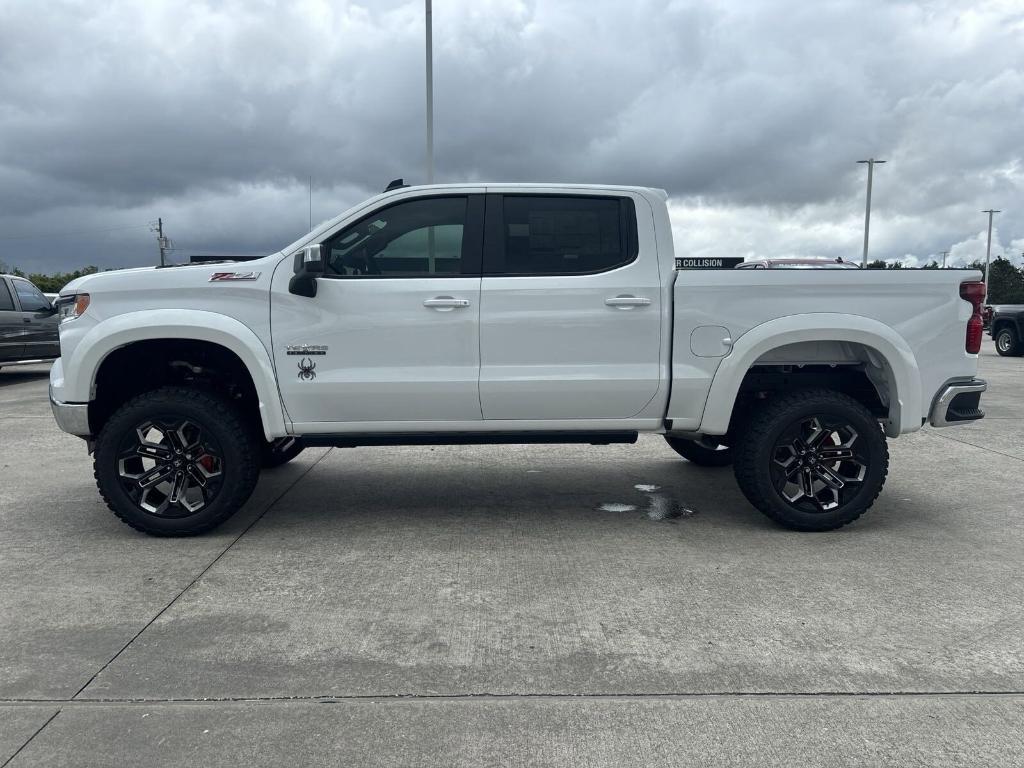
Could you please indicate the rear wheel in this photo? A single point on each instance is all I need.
(176, 462)
(813, 460)
(278, 452)
(706, 452)
(1007, 343)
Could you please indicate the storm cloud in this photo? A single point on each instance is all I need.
(214, 115)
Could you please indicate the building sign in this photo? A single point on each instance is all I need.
(726, 262)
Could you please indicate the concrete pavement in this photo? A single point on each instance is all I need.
(515, 606)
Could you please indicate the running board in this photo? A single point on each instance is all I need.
(355, 440)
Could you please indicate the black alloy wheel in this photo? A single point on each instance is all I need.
(818, 463)
(170, 467)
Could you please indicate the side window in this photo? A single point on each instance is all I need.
(6, 302)
(417, 238)
(565, 235)
(31, 298)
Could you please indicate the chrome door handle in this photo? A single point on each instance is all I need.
(445, 302)
(627, 302)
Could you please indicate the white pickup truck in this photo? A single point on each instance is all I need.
(507, 313)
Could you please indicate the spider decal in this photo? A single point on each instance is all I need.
(307, 369)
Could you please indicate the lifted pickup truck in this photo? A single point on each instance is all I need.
(507, 313)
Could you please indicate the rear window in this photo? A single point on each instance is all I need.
(566, 235)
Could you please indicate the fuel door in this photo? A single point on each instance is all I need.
(710, 341)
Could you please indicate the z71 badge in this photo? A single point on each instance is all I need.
(223, 277)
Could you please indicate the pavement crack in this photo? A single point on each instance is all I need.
(972, 445)
(202, 573)
(28, 741)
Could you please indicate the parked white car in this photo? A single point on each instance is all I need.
(507, 313)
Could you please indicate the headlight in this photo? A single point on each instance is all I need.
(70, 307)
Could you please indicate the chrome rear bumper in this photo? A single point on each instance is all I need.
(957, 403)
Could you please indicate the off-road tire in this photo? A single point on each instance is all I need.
(1007, 343)
(759, 456)
(698, 453)
(217, 419)
(279, 452)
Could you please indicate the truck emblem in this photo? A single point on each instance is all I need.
(305, 350)
(220, 277)
(307, 369)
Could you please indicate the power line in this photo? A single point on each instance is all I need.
(71, 234)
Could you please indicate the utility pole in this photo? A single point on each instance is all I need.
(988, 248)
(430, 92)
(161, 241)
(944, 255)
(310, 203)
(867, 210)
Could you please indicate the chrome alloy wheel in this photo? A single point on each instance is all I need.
(818, 464)
(1004, 341)
(169, 467)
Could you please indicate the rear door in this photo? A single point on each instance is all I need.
(11, 333)
(570, 313)
(38, 320)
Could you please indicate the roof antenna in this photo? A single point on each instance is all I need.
(395, 184)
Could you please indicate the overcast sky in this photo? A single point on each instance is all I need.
(751, 114)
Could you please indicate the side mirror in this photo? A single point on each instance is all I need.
(309, 262)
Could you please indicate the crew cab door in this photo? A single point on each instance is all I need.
(392, 334)
(570, 313)
(11, 333)
(38, 321)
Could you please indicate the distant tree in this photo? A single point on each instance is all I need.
(876, 264)
(894, 265)
(931, 265)
(1006, 282)
(50, 283)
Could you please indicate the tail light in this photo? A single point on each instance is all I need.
(973, 292)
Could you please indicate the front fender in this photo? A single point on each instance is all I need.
(905, 396)
(118, 331)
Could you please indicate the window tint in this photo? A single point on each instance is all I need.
(6, 302)
(31, 298)
(566, 235)
(417, 238)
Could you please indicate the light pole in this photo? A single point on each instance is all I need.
(944, 255)
(988, 248)
(867, 209)
(430, 92)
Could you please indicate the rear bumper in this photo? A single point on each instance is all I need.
(958, 402)
(71, 417)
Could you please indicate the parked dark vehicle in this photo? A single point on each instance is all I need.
(28, 323)
(1007, 329)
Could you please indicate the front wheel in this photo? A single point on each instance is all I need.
(176, 462)
(813, 460)
(1007, 343)
(705, 452)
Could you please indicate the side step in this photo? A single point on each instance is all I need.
(355, 440)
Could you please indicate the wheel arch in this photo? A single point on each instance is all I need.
(178, 325)
(807, 339)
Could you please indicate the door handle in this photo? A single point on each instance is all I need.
(627, 302)
(445, 303)
(26, 319)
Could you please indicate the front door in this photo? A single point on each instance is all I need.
(12, 335)
(38, 320)
(393, 333)
(570, 318)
